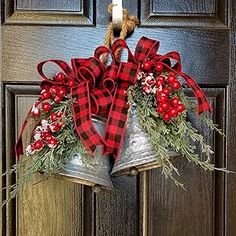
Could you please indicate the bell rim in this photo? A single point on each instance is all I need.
(151, 164)
(78, 180)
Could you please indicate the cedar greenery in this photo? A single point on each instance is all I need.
(178, 135)
(50, 161)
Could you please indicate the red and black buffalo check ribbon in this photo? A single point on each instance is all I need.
(150, 47)
(123, 74)
(126, 75)
(91, 93)
(100, 90)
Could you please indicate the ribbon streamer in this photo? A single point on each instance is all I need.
(102, 90)
(91, 93)
(146, 49)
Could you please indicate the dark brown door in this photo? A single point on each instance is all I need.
(203, 31)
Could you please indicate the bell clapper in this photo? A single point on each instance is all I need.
(133, 171)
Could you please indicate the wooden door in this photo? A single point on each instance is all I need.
(203, 31)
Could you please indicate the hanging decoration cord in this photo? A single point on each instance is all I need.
(128, 24)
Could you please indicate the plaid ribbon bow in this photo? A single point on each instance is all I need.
(91, 93)
(125, 74)
(95, 90)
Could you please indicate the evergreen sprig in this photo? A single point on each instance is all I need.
(49, 161)
(178, 135)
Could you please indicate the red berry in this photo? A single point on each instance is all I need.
(55, 127)
(166, 91)
(180, 108)
(158, 83)
(162, 98)
(53, 117)
(174, 101)
(161, 79)
(150, 82)
(160, 110)
(176, 85)
(38, 144)
(165, 106)
(166, 117)
(46, 106)
(45, 95)
(47, 134)
(171, 79)
(53, 142)
(173, 112)
(146, 89)
(53, 90)
(147, 65)
(159, 67)
(71, 83)
(61, 91)
(48, 137)
(58, 99)
(60, 114)
(59, 77)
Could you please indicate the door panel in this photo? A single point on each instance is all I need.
(198, 210)
(51, 12)
(148, 204)
(181, 13)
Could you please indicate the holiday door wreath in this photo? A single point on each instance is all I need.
(148, 83)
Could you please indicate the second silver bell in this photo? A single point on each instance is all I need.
(136, 153)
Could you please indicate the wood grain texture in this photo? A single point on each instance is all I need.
(117, 211)
(190, 13)
(45, 5)
(83, 14)
(203, 53)
(204, 34)
(183, 7)
(52, 208)
(230, 200)
(200, 209)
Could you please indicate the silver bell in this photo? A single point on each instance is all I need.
(94, 172)
(136, 152)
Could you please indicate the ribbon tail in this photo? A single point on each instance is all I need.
(100, 101)
(19, 143)
(203, 104)
(83, 118)
(115, 126)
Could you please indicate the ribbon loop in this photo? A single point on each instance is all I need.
(102, 51)
(115, 126)
(120, 44)
(146, 49)
(61, 64)
(203, 104)
(109, 78)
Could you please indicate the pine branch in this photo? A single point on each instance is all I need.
(50, 161)
(179, 135)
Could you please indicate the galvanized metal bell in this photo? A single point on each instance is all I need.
(94, 172)
(136, 153)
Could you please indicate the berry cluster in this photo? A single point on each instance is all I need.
(43, 133)
(52, 94)
(164, 84)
